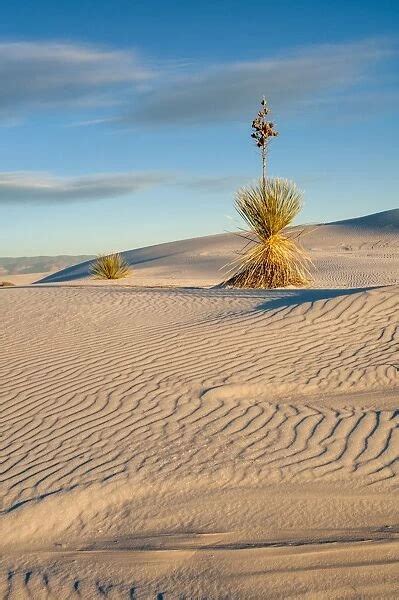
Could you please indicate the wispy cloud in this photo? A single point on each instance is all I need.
(27, 187)
(43, 74)
(226, 92)
(44, 188)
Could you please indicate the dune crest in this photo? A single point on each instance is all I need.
(358, 252)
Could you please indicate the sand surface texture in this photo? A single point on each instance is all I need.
(204, 443)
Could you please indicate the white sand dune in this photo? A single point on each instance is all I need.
(354, 253)
(203, 443)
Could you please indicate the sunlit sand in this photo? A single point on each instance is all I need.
(190, 441)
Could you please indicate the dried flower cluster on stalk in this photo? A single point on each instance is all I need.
(262, 131)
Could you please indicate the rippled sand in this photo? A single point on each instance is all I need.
(199, 443)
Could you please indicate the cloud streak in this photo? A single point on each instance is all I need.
(38, 188)
(47, 75)
(227, 92)
(44, 188)
(43, 75)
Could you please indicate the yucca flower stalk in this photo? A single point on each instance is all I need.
(262, 131)
(109, 266)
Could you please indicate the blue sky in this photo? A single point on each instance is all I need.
(127, 123)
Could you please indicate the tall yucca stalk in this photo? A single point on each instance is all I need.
(262, 132)
(109, 266)
(272, 258)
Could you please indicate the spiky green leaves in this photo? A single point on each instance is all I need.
(269, 206)
(110, 266)
(273, 259)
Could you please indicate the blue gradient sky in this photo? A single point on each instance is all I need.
(126, 123)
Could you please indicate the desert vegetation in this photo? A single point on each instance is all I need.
(109, 266)
(6, 283)
(272, 257)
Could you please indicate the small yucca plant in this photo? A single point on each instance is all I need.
(6, 284)
(273, 259)
(109, 266)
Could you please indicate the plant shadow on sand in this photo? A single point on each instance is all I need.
(285, 298)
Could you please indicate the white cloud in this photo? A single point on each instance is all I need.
(45, 74)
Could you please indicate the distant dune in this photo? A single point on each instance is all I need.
(24, 265)
(353, 253)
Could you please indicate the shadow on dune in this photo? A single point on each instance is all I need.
(68, 274)
(283, 298)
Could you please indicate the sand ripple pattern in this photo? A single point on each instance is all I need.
(98, 384)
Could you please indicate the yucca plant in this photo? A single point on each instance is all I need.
(271, 258)
(109, 266)
(6, 284)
